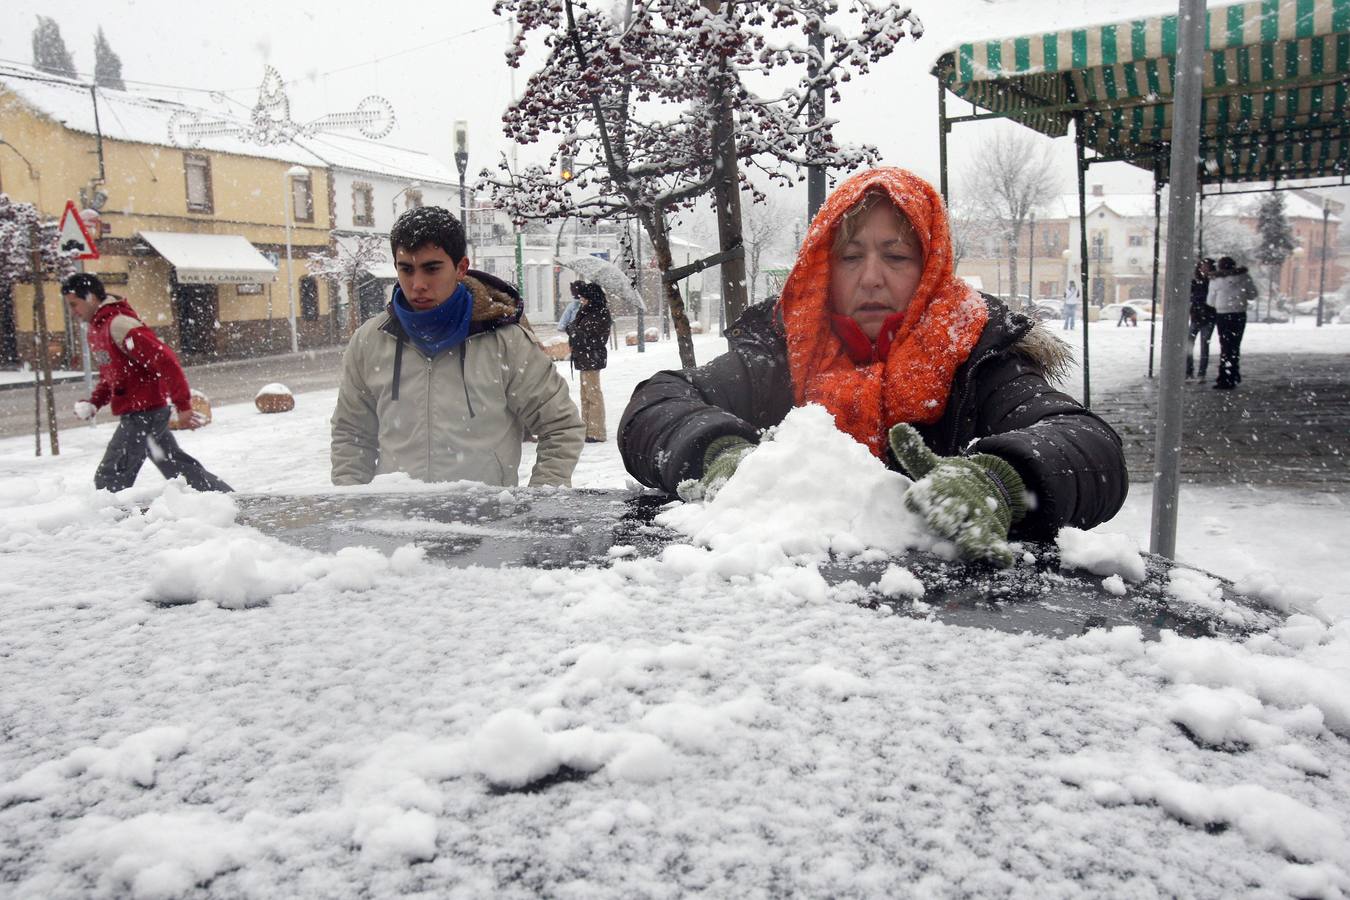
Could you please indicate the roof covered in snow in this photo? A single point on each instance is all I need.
(143, 118)
(130, 115)
(362, 155)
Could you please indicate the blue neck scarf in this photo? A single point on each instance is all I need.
(439, 328)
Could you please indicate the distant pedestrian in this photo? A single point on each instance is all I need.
(136, 372)
(568, 314)
(588, 335)
(1128, 316)
(1230, 290)
(1072, 300)
(1201, 317)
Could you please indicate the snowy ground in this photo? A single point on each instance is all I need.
(717, 719)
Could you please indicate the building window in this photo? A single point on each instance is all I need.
(414, 199)
(363, 205)
(302, 199)
(197, 171)
(1138, 240)
(309, 298)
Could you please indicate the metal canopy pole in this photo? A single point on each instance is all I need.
(1083, 248)
(1183, 176)
(1153, 306)
(943, 126)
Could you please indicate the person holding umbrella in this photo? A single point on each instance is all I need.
(588, 334)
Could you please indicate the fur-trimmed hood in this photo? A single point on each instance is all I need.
(1027, 337)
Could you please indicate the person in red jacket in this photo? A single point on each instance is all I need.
(139, 374)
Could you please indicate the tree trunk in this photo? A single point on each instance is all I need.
(353, 308)
(43, 359)
(655, 224)
(727, 191)
(1013, 302)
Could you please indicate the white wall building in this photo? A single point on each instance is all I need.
(373, 184)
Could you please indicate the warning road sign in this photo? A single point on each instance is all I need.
(74, 236)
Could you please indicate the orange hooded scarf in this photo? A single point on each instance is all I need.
(938, 330)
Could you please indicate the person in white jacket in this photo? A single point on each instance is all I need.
(1072, 300)
(445, 383)
(1230, 290)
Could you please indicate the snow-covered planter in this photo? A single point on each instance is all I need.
(200, 403)
(558, 347)
(274, 398)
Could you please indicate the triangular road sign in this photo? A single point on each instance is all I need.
(74, 236)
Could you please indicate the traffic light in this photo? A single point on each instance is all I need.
(565, 167)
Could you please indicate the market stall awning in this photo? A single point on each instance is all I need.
(1276, 88)
(211, 258)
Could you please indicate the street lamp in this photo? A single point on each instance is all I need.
(393, 203)
(292, 173)
(1327, 203)
(1031, 264)
(1298, 254)
(462, 163)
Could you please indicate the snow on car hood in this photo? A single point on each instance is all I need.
(319, 725)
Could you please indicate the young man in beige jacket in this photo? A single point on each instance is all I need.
(444, 384)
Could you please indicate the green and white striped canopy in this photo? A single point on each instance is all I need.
(1276, 87)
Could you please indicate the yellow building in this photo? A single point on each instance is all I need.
(194, 237)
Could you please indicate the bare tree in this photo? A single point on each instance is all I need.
(1010, 176)
(764, 224)
(350, 263)
(972, 229)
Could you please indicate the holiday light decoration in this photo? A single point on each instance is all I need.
(270, 121)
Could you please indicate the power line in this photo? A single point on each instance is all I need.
(252, 87)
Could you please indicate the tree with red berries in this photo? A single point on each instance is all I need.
(672, 100)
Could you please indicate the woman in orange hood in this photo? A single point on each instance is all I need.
(934, 378)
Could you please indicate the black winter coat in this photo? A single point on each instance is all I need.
(1001, 403)
(588, 335)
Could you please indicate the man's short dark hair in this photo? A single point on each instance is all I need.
(83, 283)
(428, 226)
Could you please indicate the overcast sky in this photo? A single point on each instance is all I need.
(444, 61)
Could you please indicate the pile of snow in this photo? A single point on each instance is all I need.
(787, 499)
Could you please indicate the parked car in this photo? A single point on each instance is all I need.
(1047, 310)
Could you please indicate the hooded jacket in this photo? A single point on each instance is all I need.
(460, 415)
(999, 401)
(137, 371)
(588, 332)
(1230, 290)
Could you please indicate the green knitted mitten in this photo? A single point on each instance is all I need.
(720, 460)
(971, 501)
